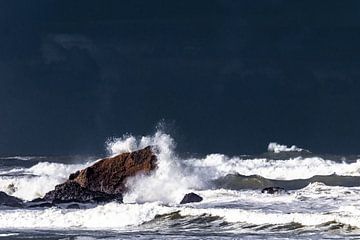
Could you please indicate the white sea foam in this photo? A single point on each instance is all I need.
(259, 217)
(117, 216)
(174, 176)
(277, 148)
(34, 182)
(127, 143)
(109, 216)
(169, 182)
(296, 168)
(313, 205)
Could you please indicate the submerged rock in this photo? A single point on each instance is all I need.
(191, 197)
(273, 190)
(102, 182)
(10, 201)
(238, 182)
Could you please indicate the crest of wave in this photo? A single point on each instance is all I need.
(169, 182)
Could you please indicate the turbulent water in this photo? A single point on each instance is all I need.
(322, 198)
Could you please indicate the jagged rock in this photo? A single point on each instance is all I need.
(191, 197)
(71, 191)
(273, 190)
(9, 201)
(109, 175)
(102, 182)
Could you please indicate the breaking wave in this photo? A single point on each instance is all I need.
(255, 210)
(277, 148)
(230, 187)
(34, 182)
(176, 176)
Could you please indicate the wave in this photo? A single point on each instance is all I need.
(34, 182)
(22, 158)
(238, 182)
(226, 183)
(278, 148)
(170, 181)
(114, 216)
(176, 176)
(294, 168)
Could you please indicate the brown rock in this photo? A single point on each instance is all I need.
(109, 175)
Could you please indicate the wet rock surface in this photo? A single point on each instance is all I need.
(72, 192)
(191, 197)
(10, 201)
(273, 190)
(102, 182)
(109, 175)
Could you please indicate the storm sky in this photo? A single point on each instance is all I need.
(226, 76)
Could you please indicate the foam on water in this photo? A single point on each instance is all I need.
(109, 216)
(247, 207)
(169, 182)
(277, 148)
(161, 191)
(218, 165)
(175, 177)
(37, 180)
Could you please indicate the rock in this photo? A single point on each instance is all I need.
(71, 191)
(191, 197)
(39, 203)
(73, 206)
(273, 190)
(10, 201)
(109, 175)
(11, 188)
(102, 182)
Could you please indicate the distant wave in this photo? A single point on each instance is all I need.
(239, 182)
(22, 158)
(176, 176)
(321, 193)
(278, 148)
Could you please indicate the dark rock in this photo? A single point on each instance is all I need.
(273, 190)
(10, 201)
(191, 197)
(110, 174)
(71, 191)
(73, 206)
(42, 204)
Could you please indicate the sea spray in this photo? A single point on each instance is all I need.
(170, 181)
(37, 180)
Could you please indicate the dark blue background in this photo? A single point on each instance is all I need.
(229, 76)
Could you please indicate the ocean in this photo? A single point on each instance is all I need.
(320, 199)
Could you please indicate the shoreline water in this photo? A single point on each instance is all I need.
(233, 208)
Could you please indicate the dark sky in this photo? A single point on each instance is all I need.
(229, 76)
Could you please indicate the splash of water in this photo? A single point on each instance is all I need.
(169, 182)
